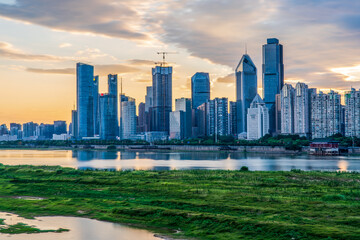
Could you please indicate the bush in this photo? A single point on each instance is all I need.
(244, 169)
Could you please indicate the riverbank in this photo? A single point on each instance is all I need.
(196, 204)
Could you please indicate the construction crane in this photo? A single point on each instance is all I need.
(163, 63)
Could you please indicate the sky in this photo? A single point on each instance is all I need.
(42, 40)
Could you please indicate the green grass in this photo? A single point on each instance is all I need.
(24, 228)
(201, 204)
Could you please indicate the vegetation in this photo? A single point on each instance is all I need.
(24, 228)
(201, 204)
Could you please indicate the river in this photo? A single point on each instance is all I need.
(141, 160)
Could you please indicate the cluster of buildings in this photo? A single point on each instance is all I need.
(284, 109)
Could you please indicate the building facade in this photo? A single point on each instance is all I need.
(128, 117)
(217, 119)
(108, 117)
(352, 113)
(257, 119)
(325, 114)
(162, 98)
(272, 76)
(184, 105)
(246, 89)
(96, 103)
(302, 109)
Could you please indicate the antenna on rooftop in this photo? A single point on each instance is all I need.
(163, 63)
(245, 48)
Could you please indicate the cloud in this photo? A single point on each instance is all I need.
(227, 79)
(102, 70)
(141, 62)
(65, 45)
(9, 52)
(103, 17)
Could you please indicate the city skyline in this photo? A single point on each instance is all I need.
(40, 46)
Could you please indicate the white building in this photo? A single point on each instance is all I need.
(177, 125)
(128, 118)
(257, 119)
(302, 109)
(352, 113)
(287, 109)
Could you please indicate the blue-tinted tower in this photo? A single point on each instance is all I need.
(246, 90)
(85, 99)
(96, 105)
(113, 90)
(108, 117)
(273, 76)
(162, 98)
(200, 89)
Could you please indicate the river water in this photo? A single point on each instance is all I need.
(80, 229)
(141, 160)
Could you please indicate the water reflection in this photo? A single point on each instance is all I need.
(142, 160)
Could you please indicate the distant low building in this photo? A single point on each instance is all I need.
(257, 119)
(324, 147)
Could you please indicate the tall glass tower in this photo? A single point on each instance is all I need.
(162, 98)
(246, 90)
(273, 76)
(200, 89)
(85, 99)
(113, 90)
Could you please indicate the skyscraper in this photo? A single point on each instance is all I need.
(108, 117)
(85, 99)
(113, 90)
(278, 113)
(128, 117)
(95, 95)
(177, 125)
(352, 113)
(162, 97)
(287, 109)
(257, 119)
(200, 89)
(232, 119)
(273, 76)
(60, 127)
(74, 125)
(141, 120)
(246, 89)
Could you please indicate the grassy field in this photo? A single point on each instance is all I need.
(201, 204)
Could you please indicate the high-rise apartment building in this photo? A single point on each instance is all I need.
(162, 98)
(287, 109)
(217, 119)
(273, 76)
(325, 114)
(141, 119)
(302, 109)
(257, 119)
(177, 125)
(278, 113)
(246, 89)
(108, 117)
(85, 99)
(352, 113)
(232, 119)
(200, 89)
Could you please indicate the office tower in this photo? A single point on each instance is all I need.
(141, 120)
(200, 89)
(3, 130)
(177, 125)
(287, 109)
(184, 104)
(246, 89)
(325, 114)
(44, 131)
(128, 117)
(217, 117)
(148, 98)
(278, 113)
(74, 125)
(162, 98)
(201, 119)
(257, 119)
(273, 76)
(85, 99)
(302, 109)
(60, 127)
(96, 113)
(15, 128)
(29, 129)
(352, 113)
(108, 117)
(232, 119)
